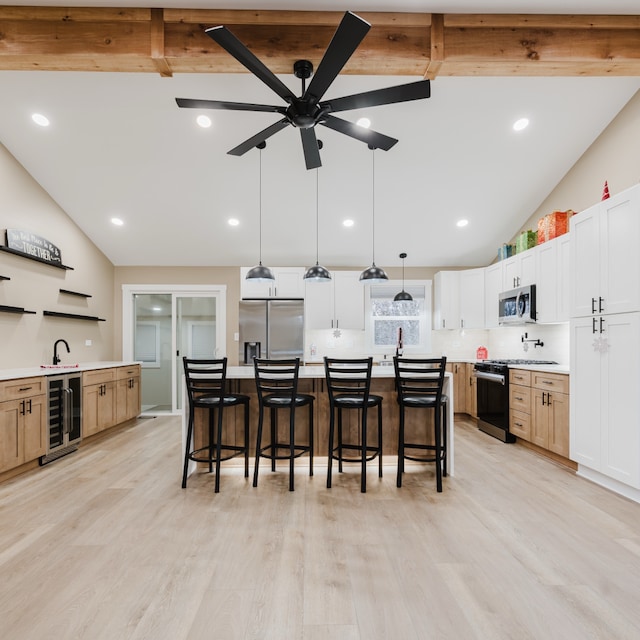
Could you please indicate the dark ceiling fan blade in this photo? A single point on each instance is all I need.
(239, 51)
(349, 34)
(372, 138)
(401, 93)
(254, 141)
(310, 148)
(189, 103)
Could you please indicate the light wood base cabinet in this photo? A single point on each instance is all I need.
(128, 399)
(23, 422)
(539, 409)
(98, 401)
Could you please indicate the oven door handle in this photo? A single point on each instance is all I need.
(493, 377)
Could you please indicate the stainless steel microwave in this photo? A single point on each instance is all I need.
(517, 306)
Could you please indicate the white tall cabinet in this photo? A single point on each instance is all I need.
(605, 342)
(338, 304)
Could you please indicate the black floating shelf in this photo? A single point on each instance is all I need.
(75, 293)
(73, 316)
(22, 255)
(6, 309)
(5, 278)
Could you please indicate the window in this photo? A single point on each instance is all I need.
(387, 316)
(147, 343)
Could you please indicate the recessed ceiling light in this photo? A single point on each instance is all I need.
(41, 120)
(364, 122)
(233, 222)
(204, 121)
(156, 308)
(117, 221)
(462, 223)
(521, 124)
(348, 222)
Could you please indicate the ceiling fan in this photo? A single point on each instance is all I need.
(309, 110)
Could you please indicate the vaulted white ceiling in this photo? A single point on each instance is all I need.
(119, 146)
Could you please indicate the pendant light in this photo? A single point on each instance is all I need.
(260, 273)
(317, 273)
(373, 274)
(403, 295)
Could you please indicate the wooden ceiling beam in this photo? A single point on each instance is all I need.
(169, 41)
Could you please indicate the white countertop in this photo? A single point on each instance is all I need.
(306, 371)
(50, 370)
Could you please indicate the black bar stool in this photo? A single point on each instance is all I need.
(207, 389)
(419, 384)
(348, 386)
(277, 385)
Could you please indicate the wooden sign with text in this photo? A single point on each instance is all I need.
(33, 246)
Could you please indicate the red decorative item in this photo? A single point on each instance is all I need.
(605, 191)
(481, 353)
(553, 225)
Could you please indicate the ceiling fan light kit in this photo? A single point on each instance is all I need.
(260, 273)
(403, 296)
(309, 110)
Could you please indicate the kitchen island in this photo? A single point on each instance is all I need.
(312, 381)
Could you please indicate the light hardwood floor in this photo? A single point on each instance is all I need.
(104, 544)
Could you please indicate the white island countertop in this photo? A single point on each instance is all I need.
(56, 370)
(306, 371)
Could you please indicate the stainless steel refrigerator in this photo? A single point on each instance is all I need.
(271, 328)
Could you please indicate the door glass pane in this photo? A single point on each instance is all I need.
(152, 347)
(195, 333)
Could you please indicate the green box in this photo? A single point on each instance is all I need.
(526, 240)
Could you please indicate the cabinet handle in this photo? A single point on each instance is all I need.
(29, 403)
(337, 323)
(548, 399)
(22, 407)
(443, 323)
(593, 325)
(25, 388)
(518, 398)
(593, 305)
(547, 382)
(461, 323)
(332, 323)
(518, 424)
(601, 324)
(600, 301)
(544, 393)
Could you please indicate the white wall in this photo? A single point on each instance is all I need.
(27, 340)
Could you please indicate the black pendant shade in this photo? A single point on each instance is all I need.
(317, 273)
(373, 274)
(260, 273)
(403, 296)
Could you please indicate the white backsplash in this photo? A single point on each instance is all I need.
(503, 342)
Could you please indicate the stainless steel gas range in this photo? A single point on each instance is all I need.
(493, 395)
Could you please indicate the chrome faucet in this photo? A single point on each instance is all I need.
(56, 357)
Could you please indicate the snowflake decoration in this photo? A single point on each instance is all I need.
(600, 344)
(337, 333)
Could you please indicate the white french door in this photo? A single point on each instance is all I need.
(163, 323)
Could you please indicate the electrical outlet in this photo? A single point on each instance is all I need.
(236, 336)
(88, 343)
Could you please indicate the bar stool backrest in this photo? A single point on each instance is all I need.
(276, 377)
(205, 378)
(420, 377)
(348, 377)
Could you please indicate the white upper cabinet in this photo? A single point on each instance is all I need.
(459, 299)
(493, 286)
(446, 293)
(605, 256)
(472, 301)
(519, 270)
(288, 283)
(338, 304)
(552, 280)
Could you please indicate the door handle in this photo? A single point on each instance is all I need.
(593, 305)
(601, 324)
(544, 393)
(22, 407)
(29, 404)
(593, 325)
(600, 301)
